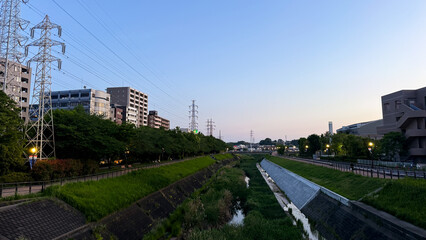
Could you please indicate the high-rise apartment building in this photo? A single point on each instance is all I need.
(405, 111)
(18, 85)
(93, 101)
(136, 103)
(156, 121)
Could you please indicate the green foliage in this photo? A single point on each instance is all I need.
(393, 144)
(15, 177)
(96, 199)
(83, 136)
(314, 143)
(267, 141)
(281, 149)
(404, 199)
(303, 142)
(353, 147)
(346, 184)
(223, 156)
(45, 170)
(11, 143)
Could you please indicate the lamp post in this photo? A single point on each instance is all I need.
(327, 146)
(370, 149)
(33, 157)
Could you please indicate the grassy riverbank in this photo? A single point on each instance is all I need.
(205, 216)
(96, 199)
(402, 198)
(346, 184)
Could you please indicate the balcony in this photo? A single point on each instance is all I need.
(415, 133)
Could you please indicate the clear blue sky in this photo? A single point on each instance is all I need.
(276, 67)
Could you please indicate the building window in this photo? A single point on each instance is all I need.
(397, 104)
(64, 104)
(24, 70)
(74, 95)
(24, 80)
(84, 95)
(386, 107)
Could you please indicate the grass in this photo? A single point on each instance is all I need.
(403, 199)
(97, 199)
(206, 214)
(347, 184)
(223, 156)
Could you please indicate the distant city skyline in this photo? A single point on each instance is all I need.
(279, 68)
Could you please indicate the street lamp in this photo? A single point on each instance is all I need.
(33, 157)
(370, 149)
(327, 147)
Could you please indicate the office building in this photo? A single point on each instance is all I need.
(405, 111)
(93, 101)
(156, 121)
(363, 129)
(135, 102)
(117, 113)
(18, 85)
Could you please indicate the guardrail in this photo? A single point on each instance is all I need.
(368, 170)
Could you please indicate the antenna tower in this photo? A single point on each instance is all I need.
(11, 43)
(193, 125)
(210, 127)
(40, 133)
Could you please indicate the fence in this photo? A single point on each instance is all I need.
(368, 169)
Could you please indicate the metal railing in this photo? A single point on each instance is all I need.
(367, 169)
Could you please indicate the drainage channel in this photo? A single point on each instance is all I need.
(289, 207)
(238, 217)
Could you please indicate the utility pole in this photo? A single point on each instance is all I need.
(210, 127)
(251, 140)
(193, 125)
(11, 43)
(40, 132)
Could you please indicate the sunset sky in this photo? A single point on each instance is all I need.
(279, 68)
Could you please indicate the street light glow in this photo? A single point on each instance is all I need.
(327, 146)
(33, 150)
(370, 144)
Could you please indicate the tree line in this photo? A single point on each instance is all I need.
(82, 136)
(351, 147)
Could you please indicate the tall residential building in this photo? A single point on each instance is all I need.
(156, 121)
(136, 103)
(93, 101)
(405, 111)
(19, 88)
(117, 113)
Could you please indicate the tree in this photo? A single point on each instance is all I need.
(303, 142)
(314, 143)
(267, 141)
(393, 145)
(11, 138)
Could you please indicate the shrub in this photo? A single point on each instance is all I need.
(16, 177)
(45, 170)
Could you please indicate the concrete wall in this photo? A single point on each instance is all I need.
(300, 190)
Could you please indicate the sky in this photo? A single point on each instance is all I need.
(283, 69)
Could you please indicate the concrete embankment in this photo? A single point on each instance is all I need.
(336, 217)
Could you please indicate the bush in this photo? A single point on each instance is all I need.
(45, 170)
(16, 177)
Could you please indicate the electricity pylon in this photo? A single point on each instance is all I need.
(193, 125)
(210, 127)
(40, 132)
(11, 43)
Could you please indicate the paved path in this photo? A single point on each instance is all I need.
(36, 187)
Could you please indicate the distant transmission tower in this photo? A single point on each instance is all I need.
(11, 41)
(40, 133)
(193, 125)
(251, 140)
(210, 127)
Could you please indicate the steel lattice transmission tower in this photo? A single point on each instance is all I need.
(210, 127)
(12, 42)
(40, 132)
(193, 116)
